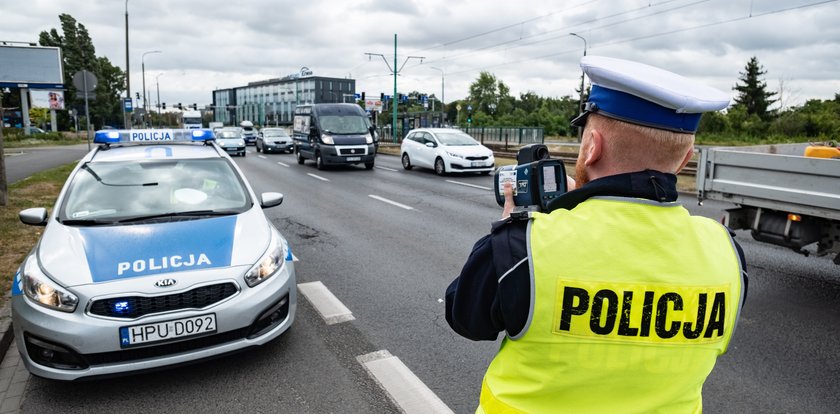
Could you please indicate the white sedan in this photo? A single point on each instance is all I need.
(445, 150)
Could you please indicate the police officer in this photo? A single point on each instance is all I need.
(618, 300)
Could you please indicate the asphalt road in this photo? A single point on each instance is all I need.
(386, 243)
(23, 162)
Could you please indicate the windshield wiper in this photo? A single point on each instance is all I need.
(193, 213)
(85, 222)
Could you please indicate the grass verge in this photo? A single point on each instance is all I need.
(39, 190)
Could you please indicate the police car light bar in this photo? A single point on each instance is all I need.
(139, 136)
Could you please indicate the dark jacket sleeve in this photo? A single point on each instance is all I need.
(476, 308)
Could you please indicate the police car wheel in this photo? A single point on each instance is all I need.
(406, 162)
(440, 167)
(319, 161)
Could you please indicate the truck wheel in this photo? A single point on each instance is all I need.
(319, 161)
(369, 165)
(299, 157)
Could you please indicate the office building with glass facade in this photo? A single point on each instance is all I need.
(273, 101)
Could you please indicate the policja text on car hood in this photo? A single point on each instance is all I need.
(76, 256)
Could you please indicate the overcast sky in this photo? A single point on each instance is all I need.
(213, 44)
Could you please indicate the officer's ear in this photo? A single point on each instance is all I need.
(594, 148)
(686, 159)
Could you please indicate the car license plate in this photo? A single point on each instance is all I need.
(167, 330)
(478, 163)
(354, 158)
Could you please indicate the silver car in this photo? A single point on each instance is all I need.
(274, 139)
(156, 253)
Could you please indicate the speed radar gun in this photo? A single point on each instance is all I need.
(536, 178)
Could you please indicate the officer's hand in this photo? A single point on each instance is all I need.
(508, 208)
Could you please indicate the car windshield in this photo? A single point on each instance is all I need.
(455, 138)
(228, 135)
(107, 192)
(344, 124)
(274, 133)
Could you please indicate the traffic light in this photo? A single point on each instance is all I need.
(469, 117)
(164, 105)
(399, 97)
(195, 107)
(137, 94)
(363, 96)
(381, 96)
(180, 106)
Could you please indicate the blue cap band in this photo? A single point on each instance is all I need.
(630, 108)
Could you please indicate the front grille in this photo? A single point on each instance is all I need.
(165, 349)
(130, 307)
(351, 151)
(477, 158)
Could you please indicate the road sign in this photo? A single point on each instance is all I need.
(458, 107)
(128, 104)
(357, 95)
(469, 107)
(84, 81)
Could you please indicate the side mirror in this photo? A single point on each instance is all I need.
(431, 145)
(34, 216)
(268, 200)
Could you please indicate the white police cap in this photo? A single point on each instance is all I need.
(645, 95)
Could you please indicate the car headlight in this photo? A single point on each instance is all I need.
(327, 138)
(43, 291)
(369, 138)
(269, 264)
(454, 155)
(241, 143)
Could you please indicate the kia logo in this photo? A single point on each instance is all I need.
(165, 283)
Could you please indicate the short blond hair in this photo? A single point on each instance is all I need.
(637, 147)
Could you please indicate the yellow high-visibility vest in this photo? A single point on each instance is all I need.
(632, 302)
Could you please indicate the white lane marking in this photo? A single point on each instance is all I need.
(402, 386)
(330, 308)
(317, 176)
(393, 203)
(481, 187)
(283, 164)
(386, 168)
(261, 156)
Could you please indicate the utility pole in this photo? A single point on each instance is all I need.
(582, 106)
(127, 71)
(4, 196)
(395, 72)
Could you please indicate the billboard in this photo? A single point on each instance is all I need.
(31, 67)
(42, 98)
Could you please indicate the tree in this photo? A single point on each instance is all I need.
(753, 95)
(78, 53)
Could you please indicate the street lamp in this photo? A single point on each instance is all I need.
(143, 68)
(442, 95)
(580, 129)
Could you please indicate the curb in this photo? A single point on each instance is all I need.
(7, 334)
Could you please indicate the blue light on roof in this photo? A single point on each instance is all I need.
(106, 137)
(202, 135)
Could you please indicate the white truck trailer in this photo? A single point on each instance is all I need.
(782, 197)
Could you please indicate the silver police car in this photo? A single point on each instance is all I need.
(156, 253)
